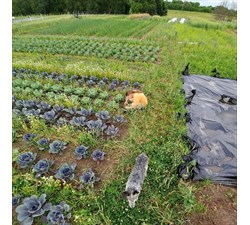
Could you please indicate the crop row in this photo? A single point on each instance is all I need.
(43, 166)
(93, 98)
(66, 79)
(71, 100)
(70, 96)
(97, 48)
(99, 123)
(39, 90)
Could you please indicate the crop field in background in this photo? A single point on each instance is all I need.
(69, 80)
(98, 26)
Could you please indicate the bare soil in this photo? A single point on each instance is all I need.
(104, 170)
(221, 206)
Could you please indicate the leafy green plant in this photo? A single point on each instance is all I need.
(85, 138)
(113, 105)
(104, 95)
(79, 91)
(56, 88)
(69, 90)
(92, 92)
(98, 102)
(119, 98)
(85, 101)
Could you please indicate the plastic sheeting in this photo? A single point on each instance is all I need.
(212, 128)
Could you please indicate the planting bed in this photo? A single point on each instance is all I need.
(123, 50)
(90, 107)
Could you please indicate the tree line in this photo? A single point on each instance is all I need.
(29, 7)
(188, 6)
(153, 7)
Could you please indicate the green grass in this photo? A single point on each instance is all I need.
(165, 199)
(99, 26)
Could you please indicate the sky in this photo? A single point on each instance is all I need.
(209, 2)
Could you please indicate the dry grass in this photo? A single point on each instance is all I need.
(139, 16)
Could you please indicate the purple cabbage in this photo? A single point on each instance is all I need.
(98, 155)
(112, 131)
(43, 143)
(88, 177)
(81, 152)
(103, 115)
(32, 207)
(120, 119)
(66, 172)
(42, 167)
(28, 137)
(57, 213)
(57, 147)
(25, 159)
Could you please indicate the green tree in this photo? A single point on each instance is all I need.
(143, 6)
(161, 7)
(21, 7)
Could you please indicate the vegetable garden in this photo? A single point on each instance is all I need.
(73, 142)
(130, 51)
(91, 105)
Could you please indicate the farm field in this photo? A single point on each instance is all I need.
(69, 80)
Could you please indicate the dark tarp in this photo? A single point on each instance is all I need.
(212, 128)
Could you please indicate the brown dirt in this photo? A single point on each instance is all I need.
(221, 206)
(104, 169)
